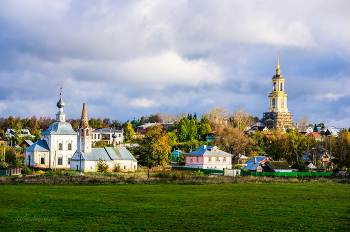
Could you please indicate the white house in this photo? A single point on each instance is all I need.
(106, 135)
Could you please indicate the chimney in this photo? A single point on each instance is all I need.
(204, 147)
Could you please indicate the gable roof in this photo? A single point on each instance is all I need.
(39, 145)
(259, 159)
(106, 130)
(106, 154)
(209, 150)
(278, 165)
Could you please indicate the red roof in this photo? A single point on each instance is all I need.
(316, 135)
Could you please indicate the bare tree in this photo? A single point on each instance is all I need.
(242, 118)
(217, 116)
(303, 124)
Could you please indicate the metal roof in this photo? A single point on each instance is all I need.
(39, 145)
(250, 163)
(207, 150)
(60, 128)
(29, 142)
(106, 154)
(106, 130)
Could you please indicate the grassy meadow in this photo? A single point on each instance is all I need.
(176, 207)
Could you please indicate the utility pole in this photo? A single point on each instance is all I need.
(148, 166)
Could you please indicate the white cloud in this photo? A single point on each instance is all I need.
(143, 102)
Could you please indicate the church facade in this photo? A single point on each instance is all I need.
(56, 145)
(278, 116)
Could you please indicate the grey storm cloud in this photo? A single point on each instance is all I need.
(127, 59)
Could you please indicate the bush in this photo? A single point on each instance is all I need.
(117, 168)
(102, 166)
(237, 166)
(26, 171)
(3, 165)
(163, 174)
(180, 175)
(197, 173)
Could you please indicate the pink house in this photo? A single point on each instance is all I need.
(209, 157)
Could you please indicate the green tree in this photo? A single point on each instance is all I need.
(100, 144)
(172, 138)
(11, 123)
(192, 129)
(92, 123)
(204, 127)
(183, 129)
(315, 128)
(128, 132)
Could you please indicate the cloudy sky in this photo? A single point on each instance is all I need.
(127, 59)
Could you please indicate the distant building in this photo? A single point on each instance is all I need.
(276, 166)
(26, 143)
(209, 157)
(256, 164)
(278, 116)
(24, 132)
(143, 128)
(106, 135)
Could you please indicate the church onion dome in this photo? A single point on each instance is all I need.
(60, 103)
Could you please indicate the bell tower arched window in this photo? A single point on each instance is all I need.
(60, 146)
(273, 103)
(69, 146)
(281, 88)
(274, 86)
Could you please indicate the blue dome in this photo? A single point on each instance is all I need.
(60, 103)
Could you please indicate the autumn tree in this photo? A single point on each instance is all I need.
(233, 141)
(128, 132)
(155, 147)
(106, 122)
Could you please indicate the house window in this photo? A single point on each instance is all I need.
(191, 159)
(119, 135)
(98, 136)
(68, 160)
(209, 159)
(42, 160)
(217, 160)
(60, 146)
(197, 159)
(95, 136)
(224, 159)
(69, 146)
(59, 162)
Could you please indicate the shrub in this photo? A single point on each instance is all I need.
(117, 168)
(163, 174)
(180, 175)
(3, 165)
(102, 166)
(237, 166)
(197, 173)
(26, 171)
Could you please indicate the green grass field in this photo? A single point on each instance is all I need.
(174, 207)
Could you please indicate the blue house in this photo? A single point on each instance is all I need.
(254, 163)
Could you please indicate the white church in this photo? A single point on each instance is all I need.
(62, 148)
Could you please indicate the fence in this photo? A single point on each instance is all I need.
(290, 174)
(10, 171)
(205, 171)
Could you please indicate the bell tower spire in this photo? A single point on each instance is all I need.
(278, 71)
(84, 133)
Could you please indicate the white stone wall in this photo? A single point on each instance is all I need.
(91, 166)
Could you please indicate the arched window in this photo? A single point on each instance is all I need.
(87, 132)
(69, 146)
(273, 103)
(274, 86)
(60, 146)
(281, 89)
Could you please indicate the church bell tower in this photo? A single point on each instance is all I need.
(84, 133)
(278, 116)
